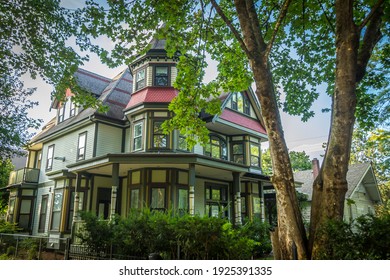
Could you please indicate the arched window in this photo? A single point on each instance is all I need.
(216, 148)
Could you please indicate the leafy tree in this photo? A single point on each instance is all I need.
(299, 161)
(287, 45)
(6, 167)
(266, 163)
(34, 41)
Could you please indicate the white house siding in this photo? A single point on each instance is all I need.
(43, 190)
(109, 139)
(362, 204)
(66, 146)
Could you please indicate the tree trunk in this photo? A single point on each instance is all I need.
(331, 185)
(291, 231)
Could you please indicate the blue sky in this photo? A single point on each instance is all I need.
(300, 136)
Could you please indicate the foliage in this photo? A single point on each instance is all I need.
(35, 38)
(6, 227)
(6, 167)
(368, 237)
(144, 232)
(266, 163)
(299, 161)
(374, 146)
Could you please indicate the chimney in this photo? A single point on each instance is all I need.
(316, 167)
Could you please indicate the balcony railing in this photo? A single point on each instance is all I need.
(24, 175)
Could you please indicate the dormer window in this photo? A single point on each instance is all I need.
(161, 76)
(61, 113)
(240, 103)
(140, 79)
(72, 109)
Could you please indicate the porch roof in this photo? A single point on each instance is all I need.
(204, 166)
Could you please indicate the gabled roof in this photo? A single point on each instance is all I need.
(235, 118)
(114, 92)
(357, 173)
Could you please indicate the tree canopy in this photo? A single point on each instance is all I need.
(287, 48)
(35, 40)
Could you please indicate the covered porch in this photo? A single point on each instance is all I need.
(185, 183)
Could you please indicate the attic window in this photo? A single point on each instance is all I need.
(140, 79)
(240, 103)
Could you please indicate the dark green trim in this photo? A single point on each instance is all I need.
(123, 146)
(95, 138)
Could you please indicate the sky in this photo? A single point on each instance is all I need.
(300, 136)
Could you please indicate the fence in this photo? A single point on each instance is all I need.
(19, 246)
(83, 252)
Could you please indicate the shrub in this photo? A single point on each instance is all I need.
(368, 237)
(175, 236)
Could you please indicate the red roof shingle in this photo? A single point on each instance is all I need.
(239, 119)
(152, 95)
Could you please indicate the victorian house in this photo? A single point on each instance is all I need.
(111, 162)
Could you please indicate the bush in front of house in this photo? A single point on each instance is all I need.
(175, 236)
(367, 237)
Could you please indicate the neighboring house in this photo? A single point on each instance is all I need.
(109, 163)
(361, 197)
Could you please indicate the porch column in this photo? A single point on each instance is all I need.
(114, 189)
(237, 198)
(262, 207)
(76, 203)
(191, 194)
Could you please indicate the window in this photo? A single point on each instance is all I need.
(135, 199)
(157, 201)
(159, 138)
(11, 210)
(240, 103)
(234, 101)
(49, 159)
(43, 213)
(216, 148)
(255, 155)
(140, 79)
(137, 136)
(56, 212)
(182, 143)
(238, 153)
(61, 113)
(182, 202)
(216, 201)
(38, 159)
(25, 213)
(72, 109)
(161, 76)
(247, 107)
(81, 146)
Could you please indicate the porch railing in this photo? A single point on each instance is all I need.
(24, 175)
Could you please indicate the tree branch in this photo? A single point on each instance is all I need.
(371, 14)
(231, 27)
(371, 37)
(281, 17)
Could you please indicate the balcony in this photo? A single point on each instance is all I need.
(24, 175)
